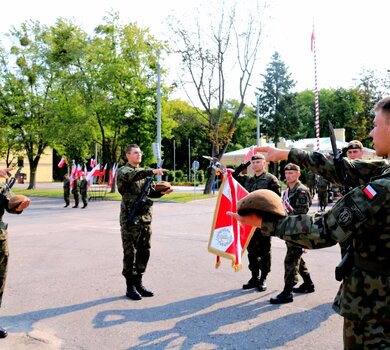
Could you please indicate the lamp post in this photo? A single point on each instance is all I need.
(258, 120)
(158, 111)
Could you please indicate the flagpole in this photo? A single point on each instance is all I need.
(317, 121)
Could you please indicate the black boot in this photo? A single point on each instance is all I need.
(131, 291)
(3, 333)
(306, 287)
(262, 285)
(283, 298)
(141, 289)
(253, 282)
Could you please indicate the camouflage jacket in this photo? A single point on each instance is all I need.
(263, 181)
(323, 184)
(4, 199)
(363, 215)
(130, 181)
(66, 185)
(83, 186)
(76, 186)
(299, 198)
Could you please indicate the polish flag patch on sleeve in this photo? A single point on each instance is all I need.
(369, 192)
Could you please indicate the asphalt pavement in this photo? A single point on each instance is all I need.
(65, 289)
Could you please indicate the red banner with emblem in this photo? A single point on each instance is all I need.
(228, 238)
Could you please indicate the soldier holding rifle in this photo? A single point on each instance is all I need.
(136, 231)
(362, 215)
(14, 205)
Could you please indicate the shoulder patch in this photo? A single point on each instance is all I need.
(369, 192)
(344, 217)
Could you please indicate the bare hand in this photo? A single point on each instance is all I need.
(250, 219)
(159, 171)
(4, 172)
(273, 154)
(26, 202)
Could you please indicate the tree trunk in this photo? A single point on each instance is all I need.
(33, 171)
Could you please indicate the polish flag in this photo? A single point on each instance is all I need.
(94, 172)
(228, 237)
(249, 154)
(62, 162)
(112, 175)
(92, 163)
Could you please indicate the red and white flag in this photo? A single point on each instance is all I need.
(228, 237)
(62, 162)
(249, 154)
(112, 174)
(94, 172)
(92, 163)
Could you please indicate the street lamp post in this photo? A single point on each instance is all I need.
(258, 120)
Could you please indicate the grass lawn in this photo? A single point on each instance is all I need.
(173, 197)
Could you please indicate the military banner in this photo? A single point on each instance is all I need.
(228, 238)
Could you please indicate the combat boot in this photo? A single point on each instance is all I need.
(262, 285)
(3, 333)
(141, 289)
(131, 291)
(306, 287)
(253, 282)
(283, 298)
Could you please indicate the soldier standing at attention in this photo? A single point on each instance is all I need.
(75, 191)
(66, 186)
(323, 192)
(355, 150)
(84, 191)
(296, 200)
(6, 205)
(136, 236)
(362, 215)
(259, 247)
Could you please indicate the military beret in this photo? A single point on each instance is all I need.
(162, 186)
(355, 144)
(265, 203)
(15, 201)
(292, 166)
(258, 156)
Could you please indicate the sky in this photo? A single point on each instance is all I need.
(351, 35)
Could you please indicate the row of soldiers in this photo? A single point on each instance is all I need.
(77, 187)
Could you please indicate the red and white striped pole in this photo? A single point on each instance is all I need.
(317, 123)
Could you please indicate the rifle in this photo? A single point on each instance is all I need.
(347, 262)
(141, 197)
(9, 184)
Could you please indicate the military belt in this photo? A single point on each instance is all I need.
(377, 267)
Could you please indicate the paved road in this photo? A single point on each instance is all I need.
(65, 289)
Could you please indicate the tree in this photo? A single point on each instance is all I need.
(204, 52)
(278, 116)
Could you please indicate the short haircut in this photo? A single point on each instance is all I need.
(130, 147)
(384, 105)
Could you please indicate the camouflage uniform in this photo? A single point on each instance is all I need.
(362, 215)
(66, 186)
(300, 200)
(4, 242)
(75, 192)
(135, 237)
(311, 182)
(259, 247)
(84, 192)
(323, 192)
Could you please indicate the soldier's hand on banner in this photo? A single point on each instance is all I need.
(273, 154)
(251, 219)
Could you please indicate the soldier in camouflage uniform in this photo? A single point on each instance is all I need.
(323, 192)
(136, 236)
(362, 215)
(259, 247)
(76, 191)
(312, 183)
(296, 200)
(84, 191)
(66, 187)
(4, 200)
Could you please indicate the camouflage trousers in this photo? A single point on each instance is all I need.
(3, 259)
(66, 197)
(373, 334)
(136, 248)
(84, 198)
(323, 199)
(294, 263)
(259, 254)
(76, 199)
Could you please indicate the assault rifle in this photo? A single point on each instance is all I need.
(134, 210)
(9, 184)
(347, 262)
